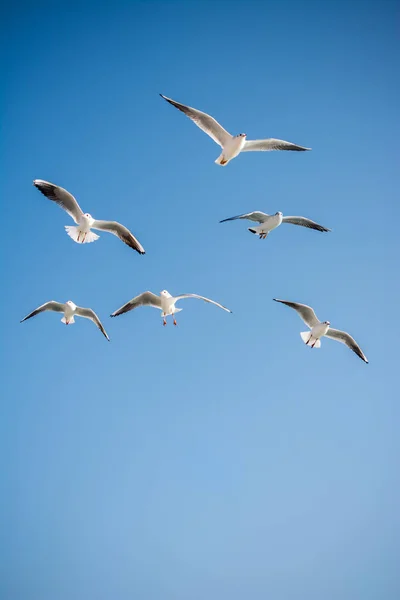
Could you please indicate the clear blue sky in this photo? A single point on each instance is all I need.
(220, 459)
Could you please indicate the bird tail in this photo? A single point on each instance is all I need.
(309, 340)
(221, 160)
(79, 236)
(70, 322)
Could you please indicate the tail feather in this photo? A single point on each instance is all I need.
(70, 322)
(221, 160)
(309, 340)
(79, 236)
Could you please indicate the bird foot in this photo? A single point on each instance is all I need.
(164, 322)
(175, 323)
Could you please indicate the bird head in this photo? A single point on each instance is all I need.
(165, 294)
(70, 304)
(242, 135)
(326, 323)
(87, 215)
(279, 214)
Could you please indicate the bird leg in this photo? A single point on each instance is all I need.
(79, 235)
(84, 237)
(164, 322)
(175, 323)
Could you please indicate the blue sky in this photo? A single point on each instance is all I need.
(220, 459)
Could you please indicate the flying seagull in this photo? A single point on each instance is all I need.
(231, 145)
(165, 302)
(321, 328)
(82, 234)
(70, 310)
(270, 222)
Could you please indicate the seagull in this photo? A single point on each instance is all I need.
(83, 234)
(231, 145)
(69, 309)
(270, 222)
(321, 328)
(165, 302)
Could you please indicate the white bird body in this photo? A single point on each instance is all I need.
(231, 149)
(69, 312)
(164, 302)
(168, 304)
(271, 222)
(86, 222)
(319, 329)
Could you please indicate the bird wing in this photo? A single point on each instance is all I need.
(270, 144)
(258, 217)
(345, 338)
(207, 123)
(144, 299)
(303, 222)
(176, 298)
(51, 305)
(120, 231)
(305, 312)
(61, 197)
(88, 313)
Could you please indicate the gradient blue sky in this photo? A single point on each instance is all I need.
(220, 459)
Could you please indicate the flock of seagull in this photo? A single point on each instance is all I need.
(231, 146)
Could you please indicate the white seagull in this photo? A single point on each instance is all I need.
(85, 222)
(165, 302)
(69, 309)
(321, 328)
(270, 222)
(231, 145)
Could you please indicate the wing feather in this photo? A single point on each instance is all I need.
(88, 313)
(271, 144)
(144, 299)
(345, 338)
(258, 217)
(120, 231)
(51, 305)
(202, 298)
(306, 313)
(303, 222)
(61, 197)
(206, 123)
